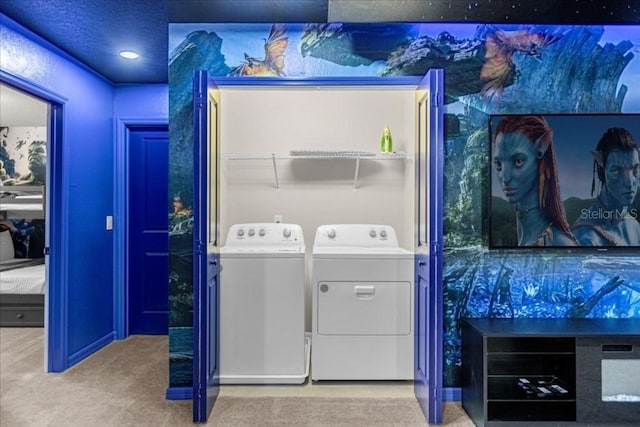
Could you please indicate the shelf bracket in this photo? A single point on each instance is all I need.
(275, 171)
(355, 179)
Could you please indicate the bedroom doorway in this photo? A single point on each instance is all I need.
(31, 120)
(23, 176)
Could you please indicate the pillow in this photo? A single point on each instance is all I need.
(6, 246)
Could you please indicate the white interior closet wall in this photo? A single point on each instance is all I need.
(313, 192)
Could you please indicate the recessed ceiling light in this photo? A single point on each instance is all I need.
(129, 54)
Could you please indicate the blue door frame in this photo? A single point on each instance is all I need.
(206, 266)
(55, 323)
(124, 127)
(428, 266)
(147, 228)
(206, 259)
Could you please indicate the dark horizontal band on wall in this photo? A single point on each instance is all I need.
(480, 11)
(410, 81)
(451, 394)
(179, 393)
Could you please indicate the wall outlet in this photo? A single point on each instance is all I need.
(109, 222)
(277, 219)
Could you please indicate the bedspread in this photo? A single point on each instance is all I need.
(12, 264)
(27, 280)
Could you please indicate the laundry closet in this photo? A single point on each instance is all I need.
(282, 167)
(263, 131)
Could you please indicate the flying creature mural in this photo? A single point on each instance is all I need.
(273, 62)
(499, 70)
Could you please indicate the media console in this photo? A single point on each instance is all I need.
(551, 371)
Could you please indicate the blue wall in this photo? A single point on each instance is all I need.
(133, 105)
(83, 287)
(86, 282)
(141, 102)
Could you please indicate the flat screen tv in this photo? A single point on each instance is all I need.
(564, 180)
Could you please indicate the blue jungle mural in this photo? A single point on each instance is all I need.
(489, 69)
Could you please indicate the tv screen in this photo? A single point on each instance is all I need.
(564, 180)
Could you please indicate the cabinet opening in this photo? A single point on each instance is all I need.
(621, 380)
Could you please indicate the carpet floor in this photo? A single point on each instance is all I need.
(317, 411)
(124, 384)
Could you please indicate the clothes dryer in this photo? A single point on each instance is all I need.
(362, 284)
(262, 314)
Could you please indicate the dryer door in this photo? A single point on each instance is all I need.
(364, 308)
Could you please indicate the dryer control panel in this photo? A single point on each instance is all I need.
(356, 235)
(265, 234)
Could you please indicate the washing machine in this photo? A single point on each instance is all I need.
(262, 305)
(362, 284)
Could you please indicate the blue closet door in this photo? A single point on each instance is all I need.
(429, 257)
(206, 255)
(148, 256)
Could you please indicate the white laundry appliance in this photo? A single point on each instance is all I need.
(362, 284)
(262, 314)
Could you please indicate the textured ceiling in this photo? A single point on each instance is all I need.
(94, 31)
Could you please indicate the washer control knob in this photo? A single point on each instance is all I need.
(251, 232)
(240, 232)
(286, 232)
(372, 233)
(383, 234)
(261, 232)
(331, 233)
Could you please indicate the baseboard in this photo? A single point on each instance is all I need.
(80, 355)
(451, 394)
(179, 393)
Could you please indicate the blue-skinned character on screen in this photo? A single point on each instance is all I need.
(525, 162)
(611, 221)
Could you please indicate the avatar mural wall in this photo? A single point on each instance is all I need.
(489, 69)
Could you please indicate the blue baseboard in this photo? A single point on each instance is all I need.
(179, 393)
(80, 355)
(451, 394)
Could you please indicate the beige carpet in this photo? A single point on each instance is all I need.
(327, 411)
(317, 411)
(124, 384)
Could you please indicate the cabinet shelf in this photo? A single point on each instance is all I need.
(531, 411)
(536, 371)
(518, 378)
(316, 155)
(528, 353)
(506, 388)
(524, 399)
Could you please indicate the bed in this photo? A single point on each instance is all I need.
(22, 280)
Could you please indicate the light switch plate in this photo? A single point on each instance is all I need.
(109, 222)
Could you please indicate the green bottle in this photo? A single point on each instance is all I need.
(386, 141)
